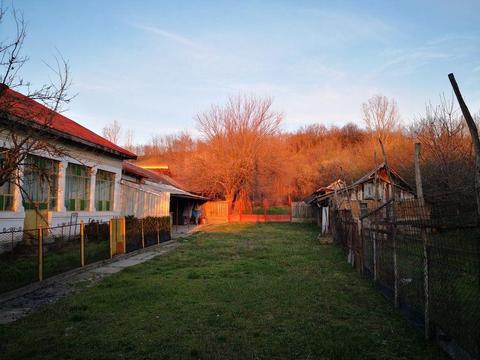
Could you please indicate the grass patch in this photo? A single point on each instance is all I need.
(234, 291)
(273, 210)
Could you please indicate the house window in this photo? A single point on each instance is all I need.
(77, 188)
(363, 208)
(368, 191)
(40, 183)
(6, 193)
(104, 185)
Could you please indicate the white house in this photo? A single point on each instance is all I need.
(83, 184)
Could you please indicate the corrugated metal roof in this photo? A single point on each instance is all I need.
(156, 181)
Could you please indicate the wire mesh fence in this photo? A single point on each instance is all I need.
(18, 259)
(146, 232)
(27, 256)
(97, 241)
(425, 257)
(61, 249)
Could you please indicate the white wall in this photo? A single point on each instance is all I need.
(15, 219)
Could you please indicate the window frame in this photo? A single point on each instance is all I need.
(7, 198)
(104, 184)
(79, 177)
(52, 170)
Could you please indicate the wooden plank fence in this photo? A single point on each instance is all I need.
(304, 213)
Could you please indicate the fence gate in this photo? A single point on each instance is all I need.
(117, 236)
(215, 212)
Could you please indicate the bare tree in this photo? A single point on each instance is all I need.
(380, 115)
(25, 128)
(130, 140)
(447, 150)
(235, 140)
(112, 132)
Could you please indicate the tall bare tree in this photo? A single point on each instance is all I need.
(446, 148)
(19, 135)
(381, 117)
(235, 136)
(112, 132)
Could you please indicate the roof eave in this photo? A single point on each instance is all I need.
(60, 134)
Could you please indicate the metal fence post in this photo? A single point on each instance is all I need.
(82, 243)
(40, 253)
(158, 232)
(143, 234)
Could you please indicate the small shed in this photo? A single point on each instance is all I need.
(376, 187)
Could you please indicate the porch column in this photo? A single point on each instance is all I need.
(93, 175)
(62, 176)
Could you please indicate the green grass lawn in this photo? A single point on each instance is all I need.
(272, 210)
(241, 291)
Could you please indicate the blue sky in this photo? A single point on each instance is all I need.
(152, 65)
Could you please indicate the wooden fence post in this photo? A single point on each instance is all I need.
(374, 244)
(124, 234)
(40, 253)
(143, 234)
(472, 127)
(110, 223)
(82, 244)
(423, 232)
(395, 263)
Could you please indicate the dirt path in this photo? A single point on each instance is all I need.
(19, 303)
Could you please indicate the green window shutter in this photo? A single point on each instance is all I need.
(2, 202)
(107, 205)
(99, 205)
(71, 207)
(82, 204)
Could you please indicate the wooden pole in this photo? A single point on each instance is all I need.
(158, 232)
(143, 234)
(423, 234)
(40, 253)
(110, 223)
(124, 234)
(82, 244)
(375, 232)
(392, 226)
(472, 127)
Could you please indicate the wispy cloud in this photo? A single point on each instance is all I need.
(177, 38)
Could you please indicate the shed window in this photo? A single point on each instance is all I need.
(77, 188)
(363, 208)
(40, 183)
(104, 185)
(6, 193)
(368, 191)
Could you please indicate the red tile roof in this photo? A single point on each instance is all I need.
(23, 107)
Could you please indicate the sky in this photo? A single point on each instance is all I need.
(153, 65)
